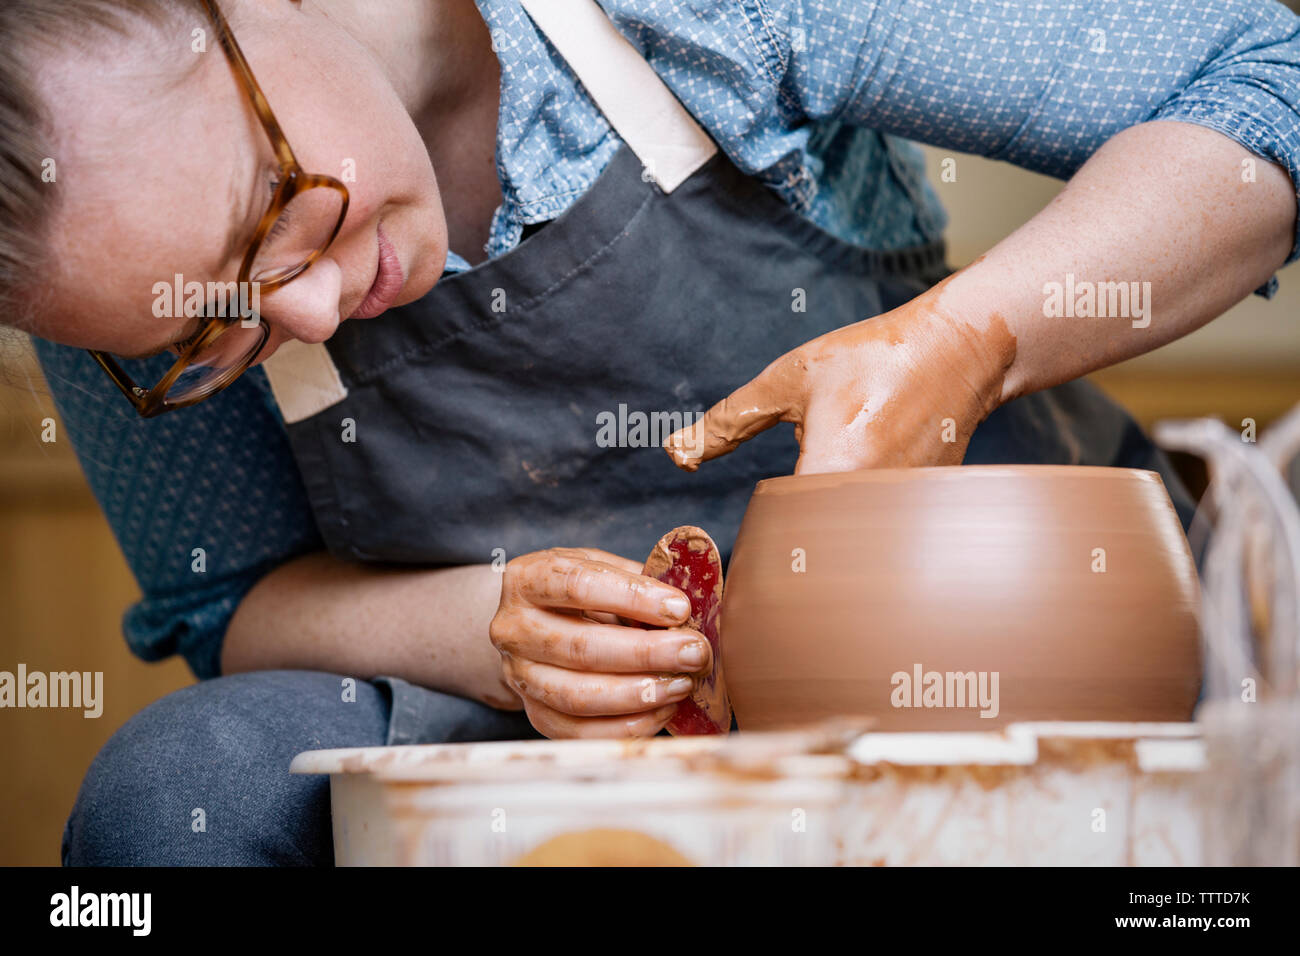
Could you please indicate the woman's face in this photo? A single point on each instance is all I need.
(165, 169)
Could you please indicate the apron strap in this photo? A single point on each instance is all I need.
(637, 103)
(304, 380)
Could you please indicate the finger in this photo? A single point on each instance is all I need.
(581, 645)
(617, 560)
(551, 723)
(566, 579)
(590, 694)
(774, 396)
(627, 564)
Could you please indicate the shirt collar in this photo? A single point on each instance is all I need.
(455, 264)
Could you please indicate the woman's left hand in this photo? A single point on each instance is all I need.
(906, 388)
(909, 387)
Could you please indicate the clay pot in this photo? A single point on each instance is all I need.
(926, 597)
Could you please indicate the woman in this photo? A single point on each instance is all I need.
(565, 215)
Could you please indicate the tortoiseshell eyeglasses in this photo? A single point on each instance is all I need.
(305, 215)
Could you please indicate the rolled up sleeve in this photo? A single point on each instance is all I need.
(1041, 85)
(203, 502)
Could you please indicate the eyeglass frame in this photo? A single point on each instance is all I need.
(294, 180)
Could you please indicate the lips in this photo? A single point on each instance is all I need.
(387, 285)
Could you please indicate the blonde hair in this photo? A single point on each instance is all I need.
(27, 200)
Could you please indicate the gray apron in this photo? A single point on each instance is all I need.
(478, 430)
(482, 415)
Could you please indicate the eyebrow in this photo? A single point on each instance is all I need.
(241, 212)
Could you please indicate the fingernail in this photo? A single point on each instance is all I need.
(693, 654)
(677, 607)
(679, 686)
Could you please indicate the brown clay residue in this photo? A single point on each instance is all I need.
(1081, 754)
(746, 412)
(986, 777)
(353, 763)
(906, 388)
(539, 476)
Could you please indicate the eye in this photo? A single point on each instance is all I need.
(281, 223)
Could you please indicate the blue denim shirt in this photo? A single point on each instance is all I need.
(814, 97)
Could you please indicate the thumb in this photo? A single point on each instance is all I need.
(775, 395)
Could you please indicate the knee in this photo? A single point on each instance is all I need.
(201, 776)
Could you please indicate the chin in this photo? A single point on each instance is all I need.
(418, 286)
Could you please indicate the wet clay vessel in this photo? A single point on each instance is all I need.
(961, 598)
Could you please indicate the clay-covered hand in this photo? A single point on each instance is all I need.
(906, 388)
(579, 672)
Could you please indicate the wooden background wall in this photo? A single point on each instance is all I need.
(63, 587)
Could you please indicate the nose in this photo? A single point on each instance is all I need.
(308, 307)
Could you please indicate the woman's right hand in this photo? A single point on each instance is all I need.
(579, 671)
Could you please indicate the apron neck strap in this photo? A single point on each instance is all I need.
(637, 103)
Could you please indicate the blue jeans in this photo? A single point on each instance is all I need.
(223, 747)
